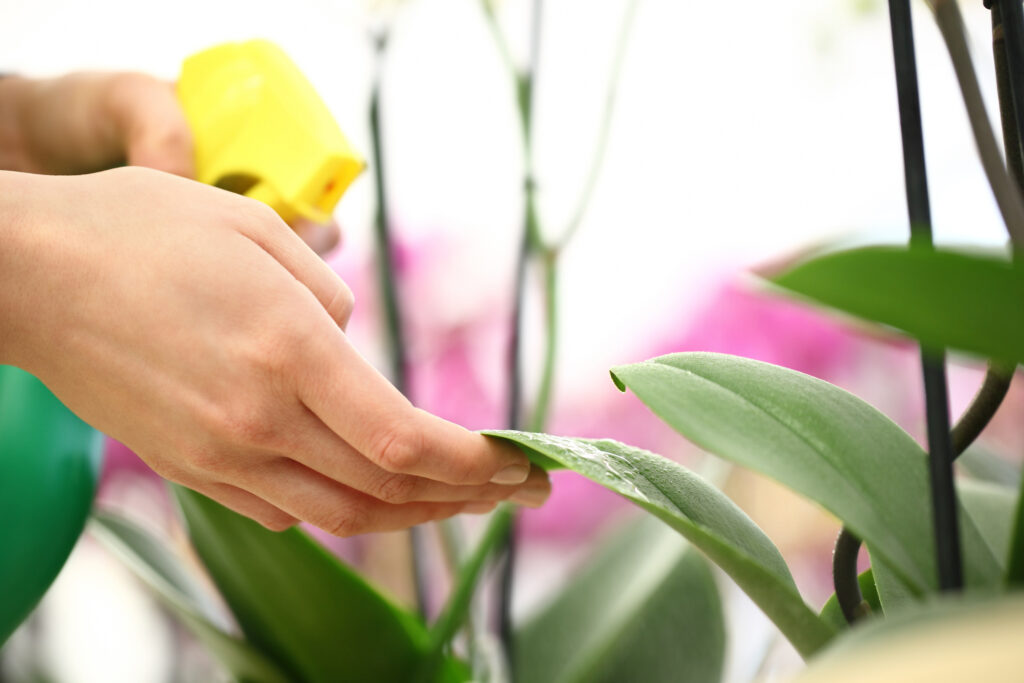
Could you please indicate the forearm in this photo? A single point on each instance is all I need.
(16, 191)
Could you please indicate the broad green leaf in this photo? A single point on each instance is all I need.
(831, 611)
(646, 602)
(946, 640)
(818, 440)
(991, 507)
(150, 560)
(893, 593)
(298, 604)
(983, 465)
(949, 299)
(697, 510)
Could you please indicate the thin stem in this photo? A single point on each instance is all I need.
(530, 241)
(597, 163)
(1007, 108)
(1008, 197)
(540, 410)
(944, 507)
(453, 546)
(1012, 19)
(455, 611)
(513, 401)
(940, 451)
(388, 282)
(387, 276)
(982, 408)
(499, 37)
(844, 575)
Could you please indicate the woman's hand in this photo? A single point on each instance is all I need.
(193, 325)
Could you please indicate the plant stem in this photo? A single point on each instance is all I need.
(1012, 20)
(541, 408)
(387, 277)
(525, 86)
(1008, 197)
(453, 546)
(844, 576)
(387, 280)
(944, 502)
(1007, 104)
(603, 132)
(997, 377)
(457, 607)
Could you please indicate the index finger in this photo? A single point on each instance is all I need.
(359, 405)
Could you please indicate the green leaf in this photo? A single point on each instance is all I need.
(298, 604)
(944, 298)
(833, 614)
(982, 464)
(646, 602)
(893, 593)
(991, 508)
(150, 560)
(697, 510)
(818, 440)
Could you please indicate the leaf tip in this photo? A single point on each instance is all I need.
(619, 384)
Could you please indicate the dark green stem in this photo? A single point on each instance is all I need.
(525, 86)
(386, 275)
(944, 505)
(844, 576)
(1011, 17)
(388, 282)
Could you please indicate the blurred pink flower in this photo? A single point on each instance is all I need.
(742, 321)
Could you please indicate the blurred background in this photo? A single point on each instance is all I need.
(741, 133)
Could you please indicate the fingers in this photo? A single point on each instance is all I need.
(340, 510)
(362, 408)
(320, 449)
(247, 504)
(270, 233)
(153, 127)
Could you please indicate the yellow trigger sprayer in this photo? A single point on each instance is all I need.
(260, 129)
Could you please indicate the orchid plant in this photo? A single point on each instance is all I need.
(646, 606)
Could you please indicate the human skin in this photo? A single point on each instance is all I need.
(198, 329)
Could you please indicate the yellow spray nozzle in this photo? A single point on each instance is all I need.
(260, 129)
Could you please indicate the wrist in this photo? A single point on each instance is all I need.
(23, 230)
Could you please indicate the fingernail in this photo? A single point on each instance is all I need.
(513, 474)
(478, 508)
(531, 498)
